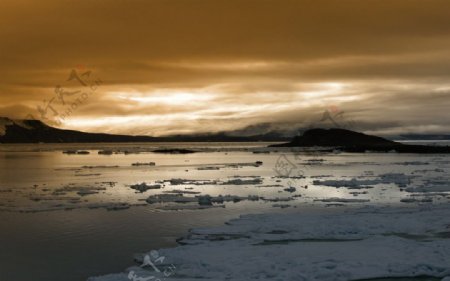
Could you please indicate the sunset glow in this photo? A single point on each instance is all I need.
(212, 66)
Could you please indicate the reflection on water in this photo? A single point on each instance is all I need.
(54, 214)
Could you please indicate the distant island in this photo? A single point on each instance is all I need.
(350, 141)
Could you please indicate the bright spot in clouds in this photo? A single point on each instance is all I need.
(172, 67)
(168, 98)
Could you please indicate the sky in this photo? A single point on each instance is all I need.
(187, 66)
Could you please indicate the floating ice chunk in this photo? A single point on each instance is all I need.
(240, 165)
(142, 187)
(408, 163)
(227, 198)
(356, 193)
(80, 152)
(415, 200)
(437, 170)
(261, 152)
(397, 178)
(86, 192)
(179, 181)
(282, 206)
(313, 161)
(178, 191)
(118, 206)
(426, 189)
(360, 187)
(253, 197)
(143, 164)
(204, 200)
(290, 189)
(243, 181)
(277, 199)
(353, 183)
(343, 200)
(170, 198)
(429, 194)
(206, 168)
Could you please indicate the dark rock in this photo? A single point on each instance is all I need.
(350, 141)
(336, 137)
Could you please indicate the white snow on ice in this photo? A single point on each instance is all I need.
(344, 245)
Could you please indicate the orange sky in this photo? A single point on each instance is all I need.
(180, 66)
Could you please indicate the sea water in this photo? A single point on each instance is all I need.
(68, 217)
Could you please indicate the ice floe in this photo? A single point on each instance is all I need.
(399, 179)
(178, 191)
(105, 152)
(206, 168)
(142, 187)
(79, 152)
(344, 245)
(416, 200)
(290, 189)
(342, 200)
(178, 181)
(239, 181)
(282, 206)
(170, 198)
(178, 197)
(143, 164)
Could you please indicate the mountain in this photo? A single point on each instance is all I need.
(34, 131)
(351, 141)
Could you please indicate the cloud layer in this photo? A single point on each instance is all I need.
(175, 66)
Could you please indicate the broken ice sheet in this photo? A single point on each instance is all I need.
(350, 244)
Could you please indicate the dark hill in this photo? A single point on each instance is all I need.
(351, 141)
(34, 131)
